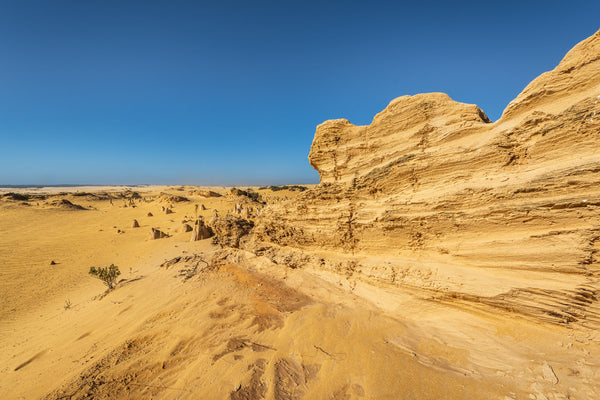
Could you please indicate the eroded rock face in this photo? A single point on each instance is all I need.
(229, 229)
(434, 196)
(201, 231)
(342, 152)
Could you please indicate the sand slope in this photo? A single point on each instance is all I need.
(191, 320)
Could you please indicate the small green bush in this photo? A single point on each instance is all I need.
(108, 275)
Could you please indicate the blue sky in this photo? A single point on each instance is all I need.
(230, 93)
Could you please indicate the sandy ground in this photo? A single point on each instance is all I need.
(241, 327)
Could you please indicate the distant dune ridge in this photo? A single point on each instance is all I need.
(501, 215)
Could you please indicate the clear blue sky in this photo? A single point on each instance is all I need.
(224, 92)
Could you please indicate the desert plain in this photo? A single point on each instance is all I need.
(442, 256)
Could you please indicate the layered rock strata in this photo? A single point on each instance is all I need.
(434, 197)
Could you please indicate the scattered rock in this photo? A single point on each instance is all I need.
(149, 214)
(52, 262)
(135, 224)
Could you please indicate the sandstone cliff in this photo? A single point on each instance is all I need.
(435, 198)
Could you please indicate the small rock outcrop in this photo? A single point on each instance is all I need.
(238, 192)
(230, 229)
(172, 198)
(16, 196)
(66, 204)
(157, 234)
(201, 231)
(185, 228)
(205, 193)
(245, 196)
